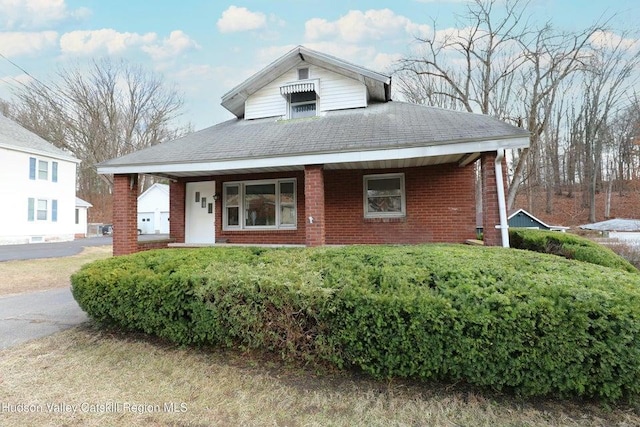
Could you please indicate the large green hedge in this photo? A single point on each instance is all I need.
(569, 246)
(507, 319)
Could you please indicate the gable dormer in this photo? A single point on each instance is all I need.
(306, 83)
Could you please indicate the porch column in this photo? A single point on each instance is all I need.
(125, 214)
(177, 190)
(490, 205)
(314, 205)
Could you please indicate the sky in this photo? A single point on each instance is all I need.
(204, 48)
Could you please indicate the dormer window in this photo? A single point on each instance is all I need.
(302, 97)
(303, 104)
(303, 73)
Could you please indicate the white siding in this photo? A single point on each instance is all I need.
(15, 190)
(336, 92)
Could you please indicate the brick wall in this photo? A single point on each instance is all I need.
(440, 207)
(177, 191)
(315, 205)
(125, 214)
(490, 210)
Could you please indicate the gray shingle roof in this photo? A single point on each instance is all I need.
(380, 126)
(14, 135)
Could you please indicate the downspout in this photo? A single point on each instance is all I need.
(502, 206)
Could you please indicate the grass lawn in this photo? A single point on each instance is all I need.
(48, 273)
(119, 379)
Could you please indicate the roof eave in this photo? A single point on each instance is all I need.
(297, 160)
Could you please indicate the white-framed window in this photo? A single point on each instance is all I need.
(302, 104)
(40, 169)
(42, 209)
(255, 205)
(384, 196)
(43, 170)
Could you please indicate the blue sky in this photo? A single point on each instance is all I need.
(206, 47)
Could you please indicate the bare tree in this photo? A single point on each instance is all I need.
(551, 58)
(108, 111)
(484, 44)
(609, 75)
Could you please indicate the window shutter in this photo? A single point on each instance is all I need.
(32, 168)
(54, 171)
(54, 210)
(32, 204)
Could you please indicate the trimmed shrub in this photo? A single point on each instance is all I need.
(568, 246)
(505, 319)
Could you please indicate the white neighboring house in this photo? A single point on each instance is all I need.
(37, 188)
(153, 210)
(82, 208)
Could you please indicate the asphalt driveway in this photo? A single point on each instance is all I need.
(50, 250)
(34, 315)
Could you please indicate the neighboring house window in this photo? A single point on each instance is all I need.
(77, 216)
(303, 104)
(260, 204)
(38, 209)
(384, 196)
(54, 171)
(41, 213)
(43, 169)
(32, 168)
(31, 208)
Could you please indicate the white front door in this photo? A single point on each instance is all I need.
(200, 212)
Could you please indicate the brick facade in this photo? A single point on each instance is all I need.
(314, 215)
(125, 214)
(177, 191)
(440, 207)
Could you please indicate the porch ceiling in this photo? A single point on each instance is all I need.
(369, 165)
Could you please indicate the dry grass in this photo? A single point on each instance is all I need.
(85, 367)
(49, 273)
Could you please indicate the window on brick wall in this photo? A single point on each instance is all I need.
(251, 205)
(384, 196)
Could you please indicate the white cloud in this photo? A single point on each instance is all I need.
(29, 14)
(102, 41)
(23, 43)
(241, 19)
(357, 26)
(611, 40)
(177, 43)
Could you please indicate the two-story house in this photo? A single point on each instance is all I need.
(37, 188)
(319, 154)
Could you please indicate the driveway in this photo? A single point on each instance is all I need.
(37, 314)
(61, 249)
(50, 250)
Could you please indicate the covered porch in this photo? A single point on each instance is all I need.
(329, 202)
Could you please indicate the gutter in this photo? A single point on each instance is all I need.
(502, 206)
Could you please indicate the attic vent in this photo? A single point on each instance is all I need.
(297, 88)
(303, 73)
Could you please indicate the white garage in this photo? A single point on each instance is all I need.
(153, 210)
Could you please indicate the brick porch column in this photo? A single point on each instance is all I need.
(125, 214)
(177, 191)
(490, 209)
(314, 205)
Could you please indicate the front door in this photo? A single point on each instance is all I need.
(200, 212)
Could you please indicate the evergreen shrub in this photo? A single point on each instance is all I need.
(506, 319)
